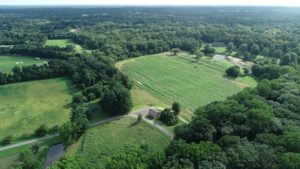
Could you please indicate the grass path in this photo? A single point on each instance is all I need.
(28, 142)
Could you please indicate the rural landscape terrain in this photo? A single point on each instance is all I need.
(149, 87)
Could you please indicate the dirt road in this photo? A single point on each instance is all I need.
(133, 114)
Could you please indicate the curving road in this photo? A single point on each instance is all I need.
(28, 142)
(131, 114)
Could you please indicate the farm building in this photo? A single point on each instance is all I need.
(153, 114)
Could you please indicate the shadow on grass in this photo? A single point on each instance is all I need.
(228, 77)
(67, 106)
(134, 123)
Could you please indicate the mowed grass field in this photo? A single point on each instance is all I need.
(62, 43)
(179, 78)
(142, 99)
(8, 62)
(26, 106)
(103, 141)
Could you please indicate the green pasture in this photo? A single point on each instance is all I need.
(103, 141)
(180, 78)
(62, 43)
(8, 62)
(26, 106)
(220, 50)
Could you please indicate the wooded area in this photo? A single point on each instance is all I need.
(258, 128)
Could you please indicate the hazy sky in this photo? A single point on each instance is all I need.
(152, 2)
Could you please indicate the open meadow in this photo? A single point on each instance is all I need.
(26, 106)
(8, 62)
(62, 43)
(101, 142)
(179, 78)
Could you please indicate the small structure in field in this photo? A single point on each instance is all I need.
(37, 58)
(153, 114)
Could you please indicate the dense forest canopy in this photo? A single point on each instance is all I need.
(123, 32)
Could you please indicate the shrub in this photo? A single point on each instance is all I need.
(233, 71)
(290, 161)
(7, 140)
(79, 98)
(176, 108)
(41, 131)
(168, 117)
(175, 51)
(246, 71)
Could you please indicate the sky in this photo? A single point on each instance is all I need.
(153, 2)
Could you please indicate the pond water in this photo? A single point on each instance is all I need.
(54, 153)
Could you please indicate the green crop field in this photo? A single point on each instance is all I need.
(62, 43)
(180, 78)
(25, 106)
(7, 63)
(103, 141)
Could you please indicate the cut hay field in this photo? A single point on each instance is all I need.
(7, 62)
(62, 43)
(103, 141)
(179, 78)
(26, 106)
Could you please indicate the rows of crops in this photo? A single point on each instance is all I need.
(175, 78)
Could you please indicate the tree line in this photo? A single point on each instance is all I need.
(131, 32)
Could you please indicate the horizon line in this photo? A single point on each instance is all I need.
(152, 5)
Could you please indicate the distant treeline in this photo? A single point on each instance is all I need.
(129, 32)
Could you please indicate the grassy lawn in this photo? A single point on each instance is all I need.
(25, 106)
(142, 99)
(62, 43)
(220, 50)
(170, 128)
(8, 62)
(103, 141)
(179, 78)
